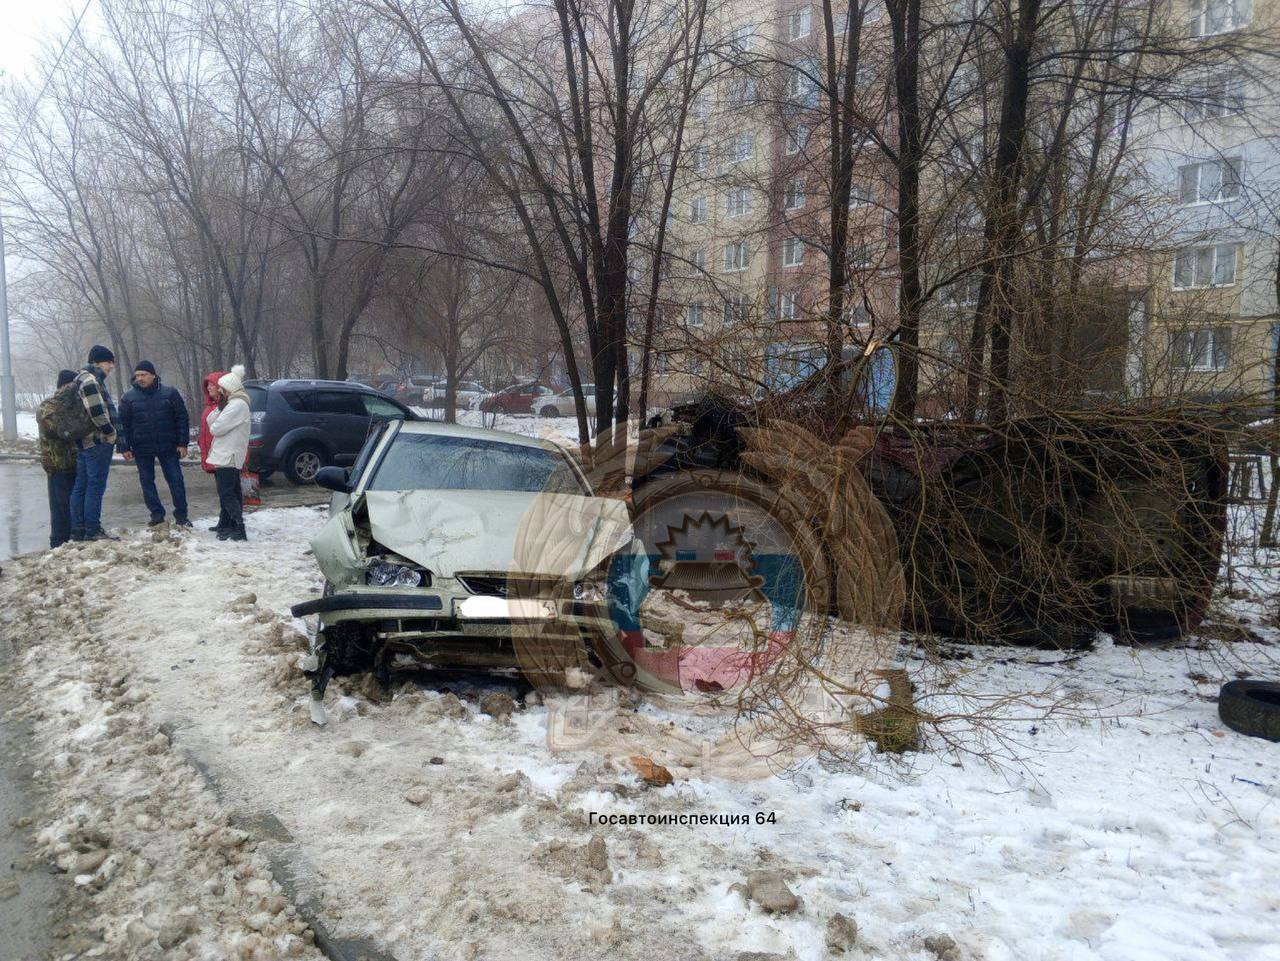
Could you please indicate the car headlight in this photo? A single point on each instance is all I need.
(589, 591)
(392, 575)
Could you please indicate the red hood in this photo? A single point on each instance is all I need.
(204, 387)
(205, 439)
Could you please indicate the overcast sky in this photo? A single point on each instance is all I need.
(24, 24)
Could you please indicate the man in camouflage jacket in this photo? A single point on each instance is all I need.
(58, 457)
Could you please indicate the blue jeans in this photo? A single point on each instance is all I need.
(92, 465)
(171, 467)
(60, 485)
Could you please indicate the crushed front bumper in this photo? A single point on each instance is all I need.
(448, 630)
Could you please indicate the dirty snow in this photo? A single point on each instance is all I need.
(1149, 833)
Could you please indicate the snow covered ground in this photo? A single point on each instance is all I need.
(437, 831)
(27, 426)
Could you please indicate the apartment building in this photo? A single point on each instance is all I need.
(1196, 314)
(1212, 160)
(749, 231)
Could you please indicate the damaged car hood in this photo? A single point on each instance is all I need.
(553, 535)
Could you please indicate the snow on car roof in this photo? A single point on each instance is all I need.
(477, 433)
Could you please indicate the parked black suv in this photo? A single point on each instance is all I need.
(300, 426)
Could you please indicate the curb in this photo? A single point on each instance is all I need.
(284, 864)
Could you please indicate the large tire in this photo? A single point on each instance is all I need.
(303, 462)
(1251, 707)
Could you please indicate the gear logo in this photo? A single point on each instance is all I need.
(763, 605)
(709, 558)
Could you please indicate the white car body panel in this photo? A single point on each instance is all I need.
(532, 534)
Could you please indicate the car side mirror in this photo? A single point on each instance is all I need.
(337, 479)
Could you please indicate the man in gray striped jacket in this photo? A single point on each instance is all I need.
(93, 460)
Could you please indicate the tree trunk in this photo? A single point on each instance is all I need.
(904, 18)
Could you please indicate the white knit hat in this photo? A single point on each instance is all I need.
(233, 381)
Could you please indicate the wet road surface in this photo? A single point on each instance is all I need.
(24, 501)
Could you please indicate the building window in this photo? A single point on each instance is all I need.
(741, 147)
(662, 363)
(1211, 181)
(1217, 16)
(793, 196)
(871, 11)
(860, 257)
(743, 38)
(1208, 348)
(742, 90)
(1222, 96)
(797, 138)
(736, 257)
(698, 258)
(787, 306)
(737, 202)
(963, 292)
(862, 193)
(698, 159)
(792, 252)
(698, 210)
(802, 90)
(694, 315)
(1213, 266)
(735, 309)
(701, 106)
(799, 23)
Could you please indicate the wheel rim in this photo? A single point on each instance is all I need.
(306, 465)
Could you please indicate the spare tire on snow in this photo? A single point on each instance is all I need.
(1251, 707)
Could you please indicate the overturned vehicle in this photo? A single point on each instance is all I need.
(1045, 530)
(445, 542)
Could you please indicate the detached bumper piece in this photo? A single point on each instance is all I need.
(356, 601)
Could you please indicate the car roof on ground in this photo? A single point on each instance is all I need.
(438, 429)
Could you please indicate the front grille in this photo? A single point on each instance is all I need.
(493, 585)
(501, 585)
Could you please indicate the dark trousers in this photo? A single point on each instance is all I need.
(60, 485)
(171, 467)
(230, 499)
(92, 465)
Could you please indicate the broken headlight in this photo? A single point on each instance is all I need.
(383, 574)
(591, 592)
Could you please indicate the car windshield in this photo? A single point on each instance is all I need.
(433, 462)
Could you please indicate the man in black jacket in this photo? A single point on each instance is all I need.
(155, 427)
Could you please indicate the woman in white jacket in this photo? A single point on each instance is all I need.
(229, 426)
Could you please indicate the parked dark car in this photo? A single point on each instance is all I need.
(516, 399)
(300, 426)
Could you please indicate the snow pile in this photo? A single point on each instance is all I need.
(136, 828)
(437, 823)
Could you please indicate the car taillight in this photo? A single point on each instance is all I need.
(255, 441)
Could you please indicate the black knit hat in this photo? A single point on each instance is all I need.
(99, 354)
(146, 365)
(65, 377)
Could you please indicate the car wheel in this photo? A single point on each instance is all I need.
(303, 462)
(550, 411)
(1251, 707)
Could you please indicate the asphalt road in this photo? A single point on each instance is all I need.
(28, 890)
(24, 503)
